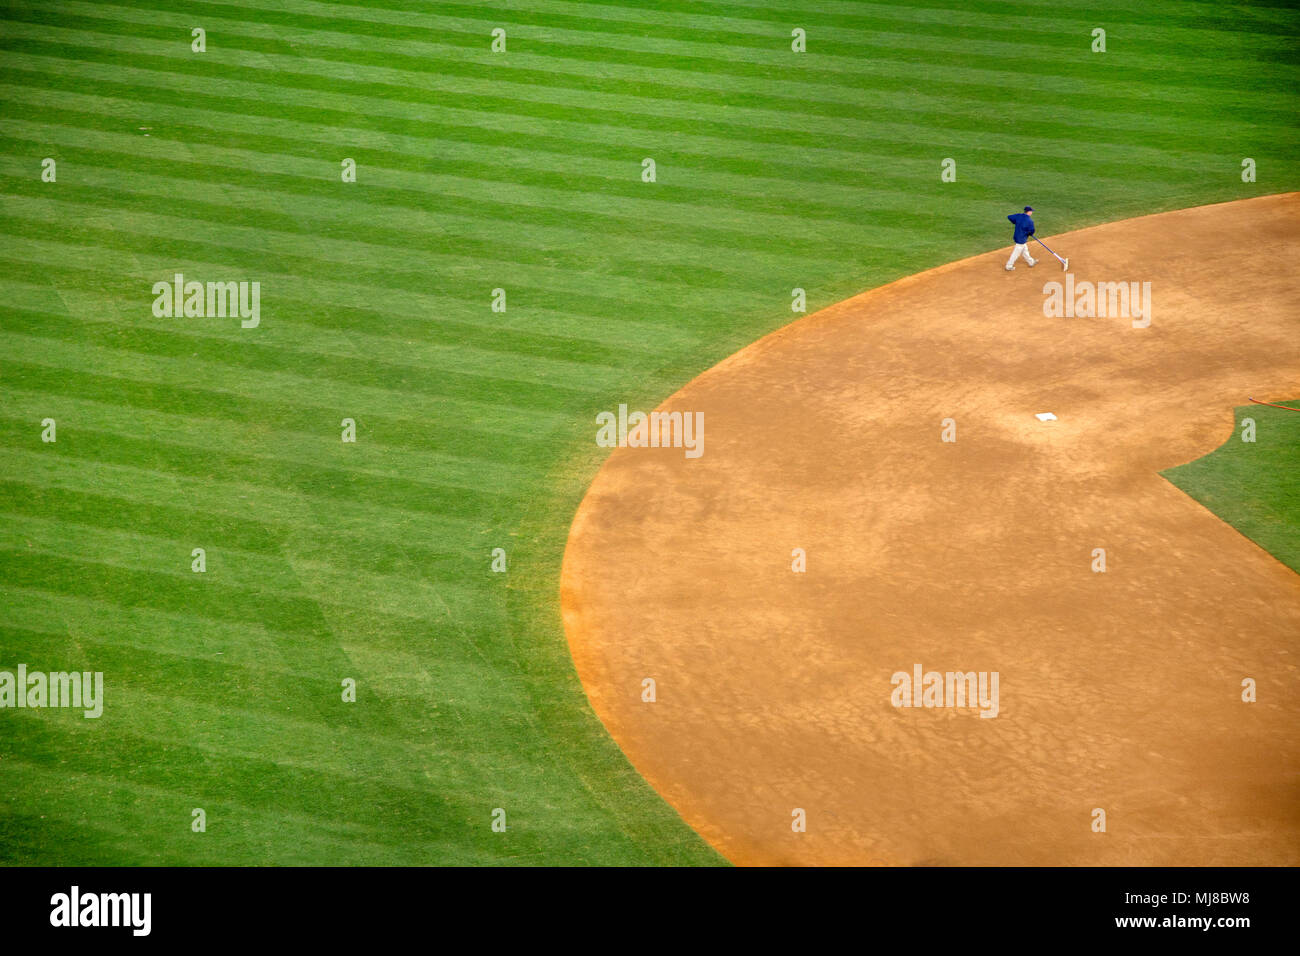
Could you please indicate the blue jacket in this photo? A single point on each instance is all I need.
(1024, 226)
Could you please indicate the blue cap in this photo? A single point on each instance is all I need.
(1029, 209)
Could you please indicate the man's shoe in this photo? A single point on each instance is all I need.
(1011, 268)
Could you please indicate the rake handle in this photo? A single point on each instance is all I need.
(1044, 245)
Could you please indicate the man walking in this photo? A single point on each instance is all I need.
(1024, 223)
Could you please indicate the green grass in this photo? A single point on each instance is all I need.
(476, 429)
(1254, 486)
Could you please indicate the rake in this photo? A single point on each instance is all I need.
(1065, 263)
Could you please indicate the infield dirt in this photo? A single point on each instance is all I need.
(1119, 690)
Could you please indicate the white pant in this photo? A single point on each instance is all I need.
(1021, 249)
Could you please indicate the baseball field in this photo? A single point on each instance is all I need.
(316, 550)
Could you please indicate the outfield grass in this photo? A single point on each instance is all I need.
(1254, 486)
(476, 171)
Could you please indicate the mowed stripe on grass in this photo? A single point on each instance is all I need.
(476, 171)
